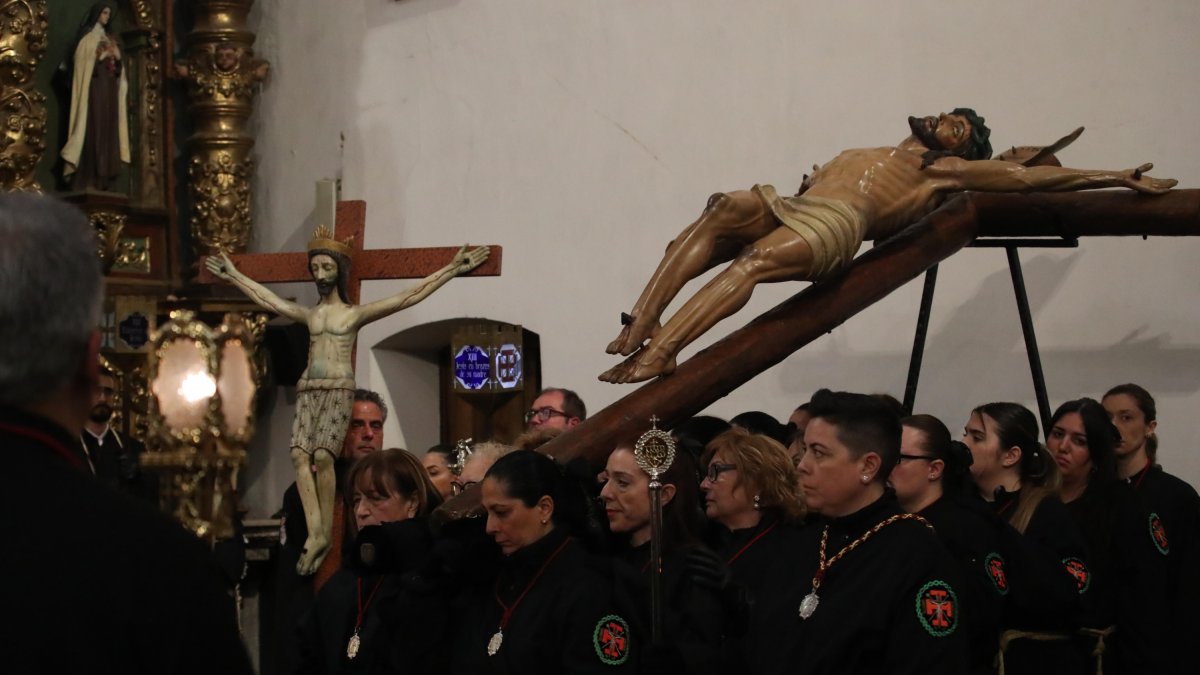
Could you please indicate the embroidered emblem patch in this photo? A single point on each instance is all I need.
(1083, 576)
(937, 608)
(1159, 534)
(611, 640)
(993, 564)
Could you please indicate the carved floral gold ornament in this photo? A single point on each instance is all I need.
(221, 190)
(23, 37)
(108, 225)
(222, 76)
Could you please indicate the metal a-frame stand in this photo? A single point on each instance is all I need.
(1011, 247)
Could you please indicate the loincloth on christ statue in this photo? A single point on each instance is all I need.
(830, 227)
(323, 408)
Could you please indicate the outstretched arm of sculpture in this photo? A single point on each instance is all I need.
(998, 176)
(222, 267)
(464, 261)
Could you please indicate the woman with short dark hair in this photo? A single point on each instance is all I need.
(873, 590)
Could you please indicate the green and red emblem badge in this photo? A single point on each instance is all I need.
(611, 640)
(1078, 570)
(937, 608)
(993, 564)
(1158, 534)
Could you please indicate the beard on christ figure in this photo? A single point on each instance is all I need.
(862, 194)
(325, 392)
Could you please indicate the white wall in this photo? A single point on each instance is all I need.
(583, 135)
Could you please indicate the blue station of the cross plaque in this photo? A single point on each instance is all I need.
(135, 330)
(472, 367)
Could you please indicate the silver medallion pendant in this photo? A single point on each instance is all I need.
(809, 605)
(353, 645)
(495, 642)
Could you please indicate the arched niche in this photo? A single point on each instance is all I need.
(415, 373)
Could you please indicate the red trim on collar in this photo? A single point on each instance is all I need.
(46, 440)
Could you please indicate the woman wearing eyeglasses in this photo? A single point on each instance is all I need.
(365, 619)
(549, 606)
(751, 495)
(932, 479)
(1128, 543)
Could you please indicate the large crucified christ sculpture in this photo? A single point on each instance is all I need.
(325, 392)
(869, 193)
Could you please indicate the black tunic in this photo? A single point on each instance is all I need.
(694, 618)
(1050, 568)
(1178, 505)
(980, 543)
(566, 623)
(96, 581)
(402, 624)
(1129, 578)
(891, 605)
(761, 560)
(1049, 565)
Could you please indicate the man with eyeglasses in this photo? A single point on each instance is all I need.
(555, 408)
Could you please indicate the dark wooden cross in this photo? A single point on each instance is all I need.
(725, 365)
(383, 263)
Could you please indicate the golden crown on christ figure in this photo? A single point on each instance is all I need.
(322, 240)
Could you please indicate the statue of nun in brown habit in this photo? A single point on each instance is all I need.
(98, 128)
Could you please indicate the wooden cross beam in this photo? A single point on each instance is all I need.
(818, 309)
(390, 263)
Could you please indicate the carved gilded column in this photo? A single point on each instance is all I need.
(23, 36)
(222, 76)
(143, 45)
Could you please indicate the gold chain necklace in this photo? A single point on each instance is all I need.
(809, 604)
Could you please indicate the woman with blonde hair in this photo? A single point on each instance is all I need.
(751, 497)
(1019, 480)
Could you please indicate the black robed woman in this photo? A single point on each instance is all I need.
(366, 619)
(933, 479)
(750, 494)
(549, 608)
(700, 604)
(1019, 480)
(1128, 545)
(1133, 411)
(874, 589)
